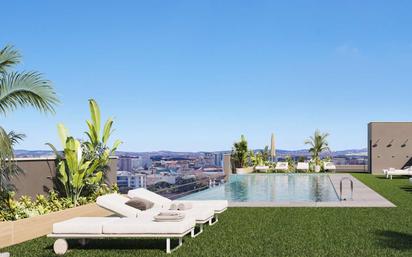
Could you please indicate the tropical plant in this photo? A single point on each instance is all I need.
(19, 89)
(239, 154)
(318, 143)
(328, 159)
(96, 148)
(253, 158)
(291, 163)
(301, 159)
(8, 167)
(74, 172)
(260, 160)
(265, 154)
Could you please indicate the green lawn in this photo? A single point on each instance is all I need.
(279, 232)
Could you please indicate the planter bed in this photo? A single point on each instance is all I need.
(15, 232)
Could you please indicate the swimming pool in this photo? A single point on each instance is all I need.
(271, 188)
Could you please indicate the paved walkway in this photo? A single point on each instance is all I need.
(363, 196)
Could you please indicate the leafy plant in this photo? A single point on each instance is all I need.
(265, 154)
(301, 159)
(239, 154)
(291, 163)
(73, 171)
(25, 207)
(8, 167)
(318, 143)
(96, 148)
(253, 158)
(83, 165)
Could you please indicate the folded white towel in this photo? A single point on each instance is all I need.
(169, 217)
(184, 206)
(173, 207)
(168, 213)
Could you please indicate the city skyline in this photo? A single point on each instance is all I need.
(194, 76)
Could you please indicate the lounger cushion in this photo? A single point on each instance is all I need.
(200, 214)
(84, 225)
(149, 195)
(218, 205)
(302, 166)
(142, 226)
(117, 204)
(282, 166)
(139, 203)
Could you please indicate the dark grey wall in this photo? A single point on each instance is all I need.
(389, 145)
(38, 175)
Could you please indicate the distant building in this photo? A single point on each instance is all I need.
(218, 159)
(124, 164)
(127, 180)
(227, 165)
(133, 163)
(156, 178)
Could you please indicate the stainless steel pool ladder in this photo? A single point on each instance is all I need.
(341, 188)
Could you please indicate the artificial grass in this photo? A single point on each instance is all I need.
(278, 232)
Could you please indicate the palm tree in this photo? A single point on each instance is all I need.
(19, 89)
(240, 153)
(9, 169)
(318, 143)
(265, 153)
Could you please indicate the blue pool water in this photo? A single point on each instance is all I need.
(271, 188)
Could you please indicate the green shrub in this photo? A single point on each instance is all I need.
(240, 152)
(25, 207)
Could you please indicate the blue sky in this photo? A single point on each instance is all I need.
(194, 75)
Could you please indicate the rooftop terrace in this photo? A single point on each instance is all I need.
(279, 231)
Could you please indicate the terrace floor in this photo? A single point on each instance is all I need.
(279, 232)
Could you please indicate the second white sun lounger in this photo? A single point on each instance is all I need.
(303, 166)
(329, 166)
(398, 172)
(282, 166)
(218, 206)
(84, 228)
(262, 168)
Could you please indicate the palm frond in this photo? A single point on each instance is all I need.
(8, 57)
(6, 147)
(8, 167)
(26, 89)
(15, 137)
(7, 141)
(318, 143)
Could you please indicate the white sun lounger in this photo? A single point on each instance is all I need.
(117, 203)
(218, 206)
(282, 166)
(329, 166)
(84, 228)
(397, 172)
(303, 166)
(262, 168)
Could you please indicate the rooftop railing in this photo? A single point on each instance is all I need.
(179, 190)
